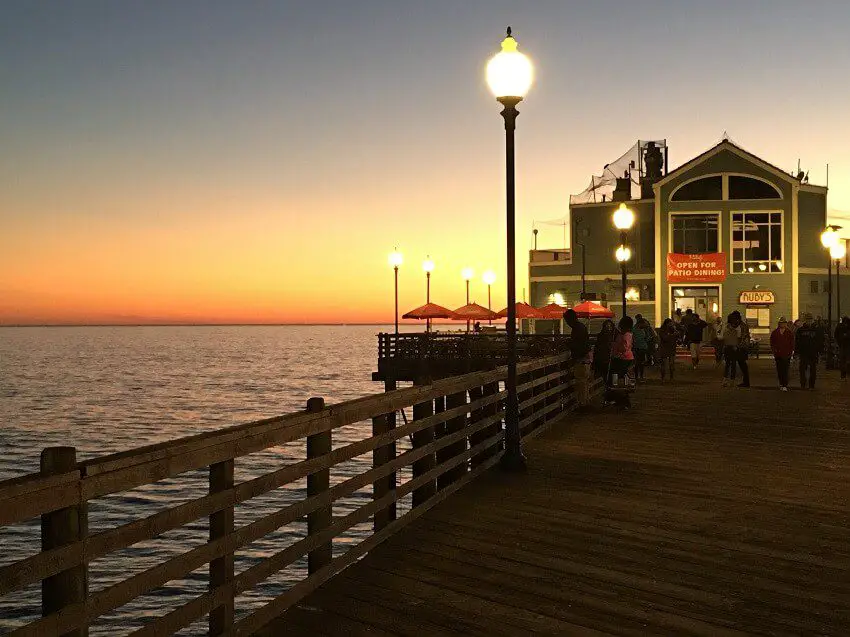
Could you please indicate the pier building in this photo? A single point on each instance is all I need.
(725, 231)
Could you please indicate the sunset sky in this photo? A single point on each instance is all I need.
(257, 161)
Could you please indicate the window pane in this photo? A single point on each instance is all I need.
(706, 189)
(694, 234)
(775, 242)
(749, 188)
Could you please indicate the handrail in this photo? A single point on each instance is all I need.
(450, 448)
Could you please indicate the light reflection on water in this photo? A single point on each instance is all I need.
(108, 389)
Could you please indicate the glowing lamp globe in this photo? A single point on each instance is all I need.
(509, 72)
(428, 265)
(837, 250)
(467, 274)
(828, 237)
(623, 254)
(624, 218)
(489, 277)
(395, 259)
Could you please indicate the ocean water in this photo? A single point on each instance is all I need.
(108, 389)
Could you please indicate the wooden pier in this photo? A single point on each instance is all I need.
(702, 511)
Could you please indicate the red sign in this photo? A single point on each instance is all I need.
(696, 268)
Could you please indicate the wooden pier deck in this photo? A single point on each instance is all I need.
(702, 511)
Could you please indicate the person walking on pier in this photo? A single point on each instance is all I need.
(580, 354)
(693, 332)
(642, 337)
(782, 344)
(714, 335)
(736, 342)
(808, 343)
(667, 337)
(842, 340)
(622, 356)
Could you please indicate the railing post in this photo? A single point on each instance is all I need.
(456, 448)
(494, 409)
(221, 568)
(318, 482)
(380, 456)
(422, 438)
(59, 528)
(474, 417)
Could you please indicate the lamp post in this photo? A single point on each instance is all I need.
(489, 278)
(396, 260)
(428, 266)
(828, 239)
(467, 274)
(623, 254)
(623, 219)
(837, 251)
(509, 74)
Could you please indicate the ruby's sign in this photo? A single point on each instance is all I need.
(756, 297)
(696, 268)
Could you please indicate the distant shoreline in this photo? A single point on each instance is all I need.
(18, 325)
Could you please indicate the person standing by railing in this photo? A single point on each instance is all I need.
(580, 353)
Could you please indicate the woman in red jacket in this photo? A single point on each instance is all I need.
(782, 344)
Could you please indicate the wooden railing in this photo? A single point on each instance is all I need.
(450, 446)
(405, 356)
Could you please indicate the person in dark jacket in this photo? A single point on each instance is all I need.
(602, 349)
(808, 343)
(580, 354)
(667, 337)
(782, 344)
(643, 336)
(693, 334)
(842, 339)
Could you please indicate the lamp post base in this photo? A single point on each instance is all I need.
(513, 461)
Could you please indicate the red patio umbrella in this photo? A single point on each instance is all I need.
(429, 311)
(474, 312)
(553, 311)
(523, 311)
(589, 310)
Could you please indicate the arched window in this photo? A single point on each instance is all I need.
(741, 187)
(705, 189)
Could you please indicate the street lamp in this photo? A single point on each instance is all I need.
(467, 274)
(489, 278)
(623, 254)
(428, 266)
(829, 238)
(838, 251)
(396, 260)
(509, 75)
(624, 219)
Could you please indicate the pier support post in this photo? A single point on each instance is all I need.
(452, 426)
(58, 528)
(421, 438)
(318, 482)
(221, 568)
(381, 456)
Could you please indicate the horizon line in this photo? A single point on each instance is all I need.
(18, 325)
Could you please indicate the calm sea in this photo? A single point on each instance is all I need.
(107, 389)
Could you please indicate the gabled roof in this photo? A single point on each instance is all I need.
(733, 148)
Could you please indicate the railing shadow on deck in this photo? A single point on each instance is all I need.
(450, 447)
